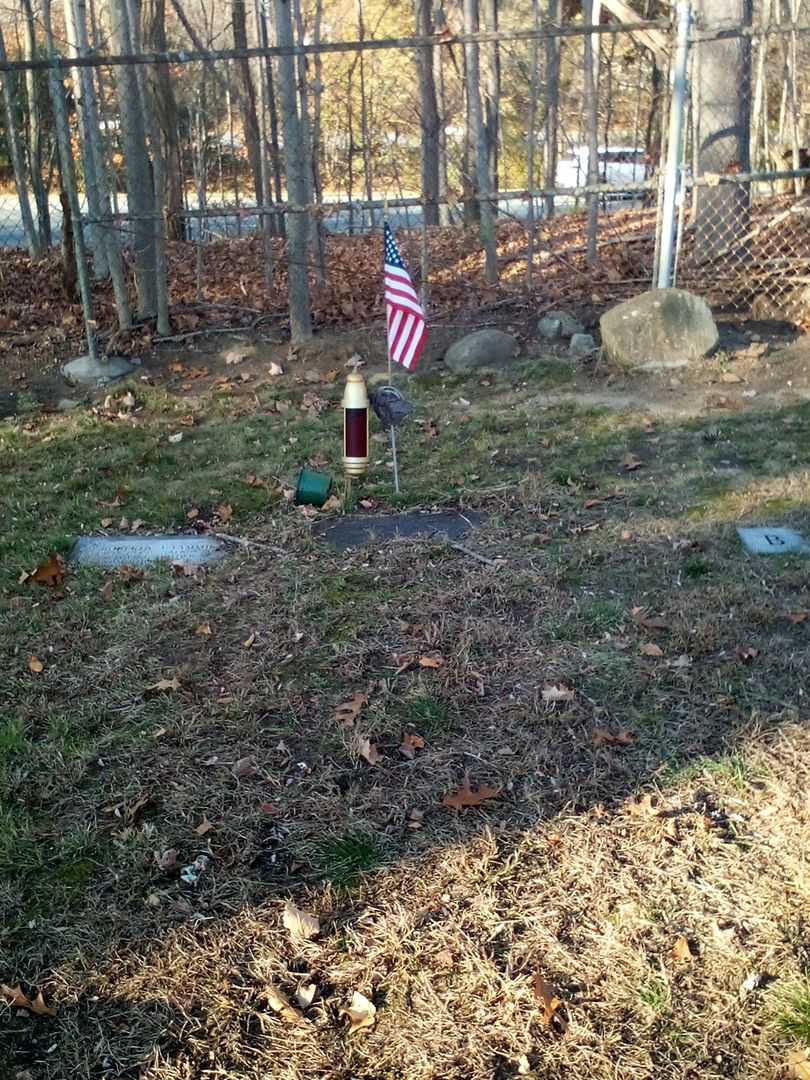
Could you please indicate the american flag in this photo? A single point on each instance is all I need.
(407, 328)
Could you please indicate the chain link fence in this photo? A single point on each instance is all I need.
(743, 203)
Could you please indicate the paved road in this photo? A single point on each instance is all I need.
(11, 230)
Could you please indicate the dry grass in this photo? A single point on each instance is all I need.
(441, 918)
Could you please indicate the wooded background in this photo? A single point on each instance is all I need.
(132, 128)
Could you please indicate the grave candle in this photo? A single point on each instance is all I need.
(355, 425)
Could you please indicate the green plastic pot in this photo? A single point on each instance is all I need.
(313, 488)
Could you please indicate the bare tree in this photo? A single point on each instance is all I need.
(723, 115)
(365, 133)
(534, 95)
(17, 161)
(250, 118)
(36, 156)
(487, 226)
(166, 112)
(552, 103)
(590, 46)
(297, 226)
(429, 115)
(316, 238)
(140, 189)
(492, 89)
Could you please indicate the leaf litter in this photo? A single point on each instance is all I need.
(361, 1013)
(467, 796)
(16, 998)
(301, 925)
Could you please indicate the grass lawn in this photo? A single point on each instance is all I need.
(632, 902)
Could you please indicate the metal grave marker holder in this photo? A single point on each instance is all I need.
(773, 541)
(112, 551)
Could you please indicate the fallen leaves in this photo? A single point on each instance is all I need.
(682, 950)
(746, 653)
(204, 827)
(35, 665)
(368, 751)
(244, 768)
(301, 925)
(432, 660)
(797, 1065)
(553, 1015)
(347, 712)
(411, 742)
(468, 796)
(15, 998)
(203, 630)
(250, 641)
(604, 737)
(554, 694)
(281, 1004)
(649, 648)
(166, 860)
(163, 686)
(630, 463)
(361, 1013)
(50, 573)
(797, 617)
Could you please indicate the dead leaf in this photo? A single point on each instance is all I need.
(106, 590)
(50, 573)
(797, 617)
(275, 369)
(631, 463)
(432, 660)
(301, 925)
(185, 569)
(176, 438)
(279, 1003)
(361, 1013)
(644, 805)
(730, 377)
(682, 951)
(224, 512)
(106, 523)
(797, 1065)
(16, 999)
(411, 742)
(603, 737)
(346, 713)
(244, 768)
(466, 796)
(552, 694)
(444, 959)
(204, 827)
(203, 630)
(306, 994)
(368, 751)
(163, 685)
(193, 514)
(249, 642)
(35, 665)
(254, 481)
(590, 504)
(554, 1015)
(649, 622)
(166, 860)
(746, 653)
(651, 649)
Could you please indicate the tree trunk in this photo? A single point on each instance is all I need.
(469, 158)
(365, 134)
(17, 164)
(297, 227)
(140, 188)
(267, 220)
(166, 109)
(492, 90)
(250, 118)
(723, 94)
(36, 157)
(441, 102)
(590, 45)
(112, 262)
(84, 97)
(315, 237)
(429, 115)
(552, 102)
(534, 95)
(487, 226)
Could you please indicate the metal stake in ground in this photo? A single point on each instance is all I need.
(391, 408)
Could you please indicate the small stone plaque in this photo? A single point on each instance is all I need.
(350, 532)
(111, 551)
(773, 541)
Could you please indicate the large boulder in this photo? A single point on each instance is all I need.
(663, 328)
(483, 349)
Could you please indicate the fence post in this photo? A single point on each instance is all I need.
(673, 162)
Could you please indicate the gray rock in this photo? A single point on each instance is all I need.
(106, 369)
(581, 345)
(483, 349)
(663, 328)
(549, 328)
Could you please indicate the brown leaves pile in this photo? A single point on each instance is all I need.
(50, 573)
(468, 796)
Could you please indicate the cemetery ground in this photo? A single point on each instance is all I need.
(615, 688)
